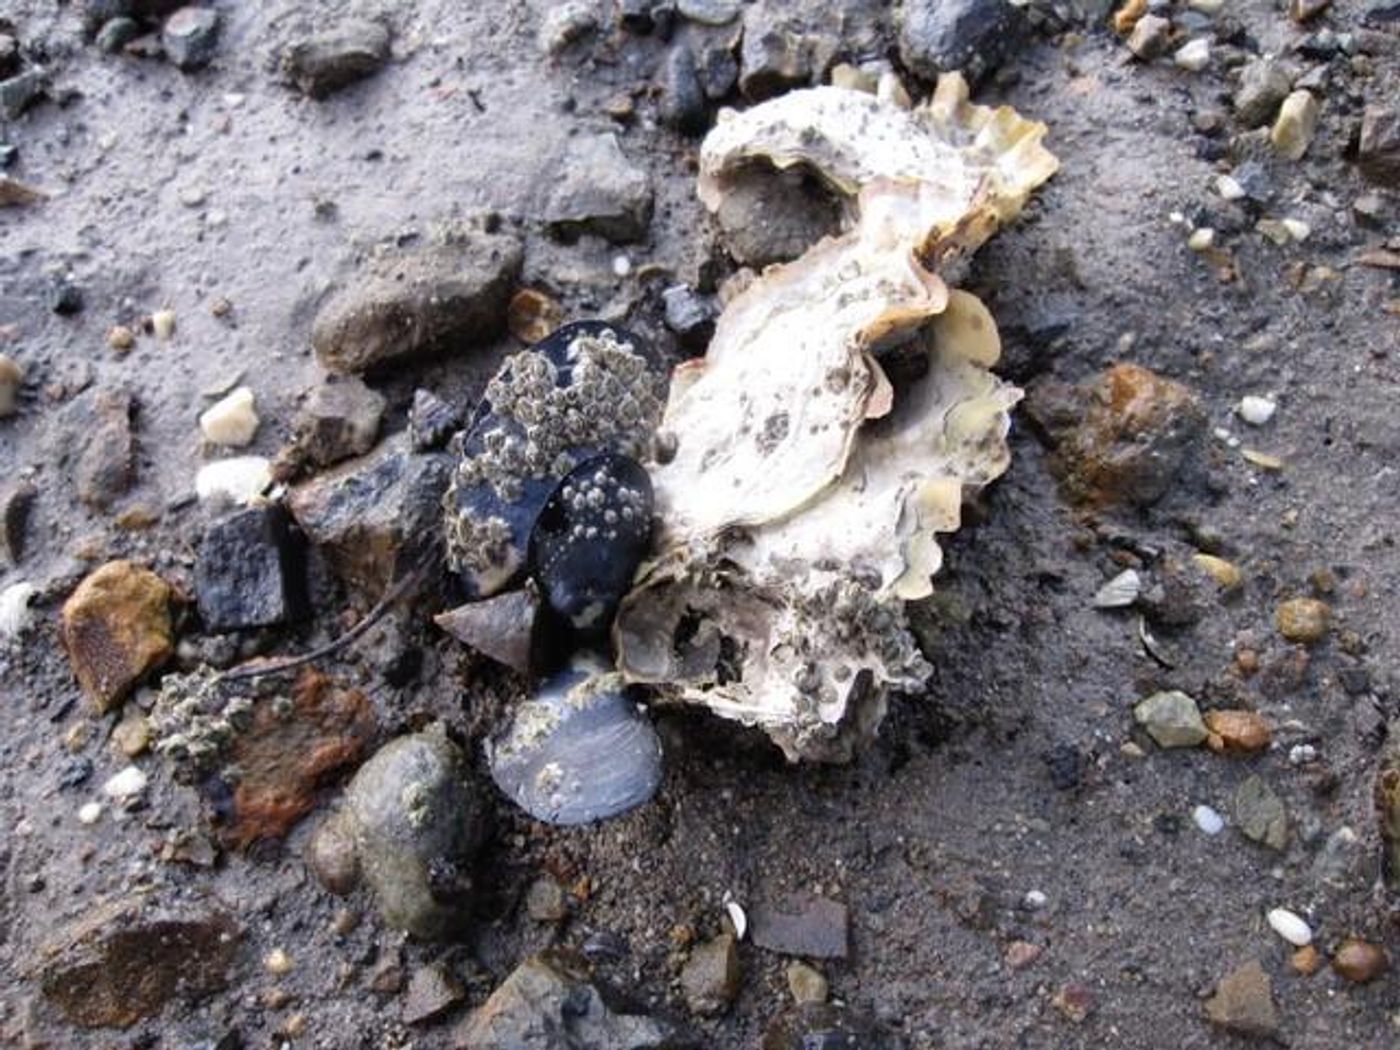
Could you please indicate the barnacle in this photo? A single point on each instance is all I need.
(842, 409)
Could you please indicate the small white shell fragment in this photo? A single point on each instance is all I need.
(1194, 55)
(1119, 592)
(1229, 188)
(1201, 239)
(1208, 820)
(1256, 410)
(1290, 927)
(163, 324)
(1297, 229)
(232, 421)
(129, 782)
(1035, 900)
(738, 918)
(15, 615)
(278, 963)
(621, 265)
(240, 480)
(90, 813)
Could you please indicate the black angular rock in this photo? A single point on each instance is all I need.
(250, 571)
(974, 36)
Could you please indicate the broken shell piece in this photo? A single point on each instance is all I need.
(240, 480)
(578, 751)
(583, 390)
(842, 411)
(1119, 592)
(591, 536)
(502, 628)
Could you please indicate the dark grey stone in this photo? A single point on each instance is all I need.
(16, 502)
(683, 104)
(598, 190)
(974, 36)
(769, 217)
(250, 571)
(20, 93)
(802, 924)
(116, 33)
(191, 36)
(339, 420)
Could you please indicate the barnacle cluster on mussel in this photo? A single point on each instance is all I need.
(548, 498)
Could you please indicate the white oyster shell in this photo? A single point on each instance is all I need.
(802, 502)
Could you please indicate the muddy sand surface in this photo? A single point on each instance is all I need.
(1016, 804)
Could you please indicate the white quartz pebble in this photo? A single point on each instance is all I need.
(1256, 410)
(1290, 927)
(232, 421)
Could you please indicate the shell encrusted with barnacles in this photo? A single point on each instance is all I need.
(584, 390)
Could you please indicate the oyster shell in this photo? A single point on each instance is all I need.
(841, 412)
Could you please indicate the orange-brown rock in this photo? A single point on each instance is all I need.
(1123, 438)
(1305, 620)
(1126, 17)
(288, 754)
(116, 627)
(1236, 730)
(1359, 961)
(1305, 960)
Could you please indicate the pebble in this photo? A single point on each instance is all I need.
(1256, 410)
(19, 93)
(163, 325)
(416, 824)
(1149, 37)
(1201, 239)
(1360, 961)
(11, 378)
(1225, 573)
(709, 12)
(1304, 620)
(121, 338)
(1295, 125)
(710, 977)
(340, 420)
(1229, 188)
(444, 298)
(90, 813)
(1244, 1002)
(775, 54)
(1378, 148)
(132, 735)
(1034, 900)
(331, 61)
(1194, 55)
(1260, 814)
(432, 991)
(1020, 954)
(1236, 730)
(683, 105)
(238, 481)
(545, 900)
(278, 963)
(690, 315)
(66, 298)
(564, 23)
(331, 854)
(1208, 820)
(1172, 719)
(806, 983)
(1290, 927)
(1306, 10)
(232, 421)
(1306, 960)
(116, 33)
(117, 629)
(15, 614)
(130, 782)
(190, 37)
(1264, 84)
(106, 460)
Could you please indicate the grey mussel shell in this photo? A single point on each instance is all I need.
(579, 750)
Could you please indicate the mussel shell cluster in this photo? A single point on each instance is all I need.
(548, 494)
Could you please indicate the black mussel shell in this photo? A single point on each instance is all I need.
(590, 538)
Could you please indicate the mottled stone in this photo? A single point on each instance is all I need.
(432, 991)
(551, 1003)
(1243, 1003)
(125, 960)
(1360, 961)
(338, 421)
(116, 627)
(332, 60)
(374, 516)
(104, 468)
(502, 628)
(826, 1026)
(1261, 814)
(1172, 719)
(16, 503)
(1236, 731)
(1264, 84)
(191, 36)
(710, 977)
(1304, 620)
(447, 297)
(1378, 149)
